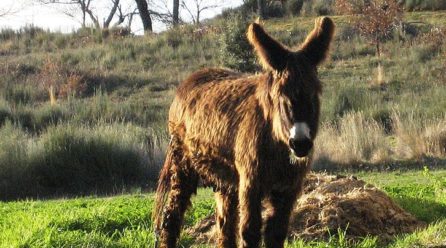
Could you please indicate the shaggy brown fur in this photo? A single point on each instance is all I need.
(232, 131)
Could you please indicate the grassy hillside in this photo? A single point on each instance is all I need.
(123, 221)
(65, 97)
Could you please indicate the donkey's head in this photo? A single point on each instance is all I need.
(292, 90)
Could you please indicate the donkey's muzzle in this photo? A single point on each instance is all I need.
(301, 147)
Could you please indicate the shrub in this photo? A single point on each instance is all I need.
(235, 51)
(322, 7)
(293, 7)
(275, 9)
(348, 99)
(5, 111)
(13, 164)
(18, 94)
(48, 115)
(414, 5)
(73, 159)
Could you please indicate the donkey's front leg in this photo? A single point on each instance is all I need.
(281, 205)
(250, 210)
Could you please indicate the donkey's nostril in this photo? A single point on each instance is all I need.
(301, 147)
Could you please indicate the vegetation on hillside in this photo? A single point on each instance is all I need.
(85, 113)
(72, 86)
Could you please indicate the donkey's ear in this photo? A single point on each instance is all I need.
(317, 44)
(272, 54)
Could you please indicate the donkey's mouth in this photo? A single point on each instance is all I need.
(301, 148)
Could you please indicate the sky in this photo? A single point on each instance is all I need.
(28, 12)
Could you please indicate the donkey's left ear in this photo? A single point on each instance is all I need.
(317, 43)
(272, 54)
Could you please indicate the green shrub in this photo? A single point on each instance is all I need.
(13, 161)
(416, 5)
(235, 50)
(422, 54)
(18, 94)
(347, 100)
(5, 111)
(322, 7)
(275, 9)
(48, 115)
(73, 159)
(24, 117)
(293, 7)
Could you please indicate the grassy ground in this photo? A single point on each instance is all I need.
(123, 221)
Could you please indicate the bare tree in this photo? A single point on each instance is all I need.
(87, 10)
(5, 12)
(112, 13)
(9, 10)
(199, 7)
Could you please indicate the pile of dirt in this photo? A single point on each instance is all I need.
(332, 203)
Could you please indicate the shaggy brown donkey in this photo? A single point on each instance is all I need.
(250, 137)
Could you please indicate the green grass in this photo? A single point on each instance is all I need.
(123, 221)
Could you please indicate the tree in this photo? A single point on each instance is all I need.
(144, 13)
(176, 12)
(86, 8)
(199, 7)
(10, 10)
(374, 18)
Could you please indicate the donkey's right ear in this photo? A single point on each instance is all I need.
(272, 54)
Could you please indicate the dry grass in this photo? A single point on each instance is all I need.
(418, 137)
(354, 139)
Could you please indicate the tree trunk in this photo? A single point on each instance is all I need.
(176, 12)
(261, 8)
(145, 15)
(111, 14)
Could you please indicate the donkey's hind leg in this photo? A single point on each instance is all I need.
(226, 219)
(183, 184)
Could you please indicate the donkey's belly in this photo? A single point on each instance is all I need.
(214, 170)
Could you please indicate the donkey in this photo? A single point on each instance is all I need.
(250, 137)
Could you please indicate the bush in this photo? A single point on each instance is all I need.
(5, 111)
(18, 94)
(275, 9)
(13, 161)
(68, 159)
(235, 51)
(414, 5)
(323, 7)
(293, 7)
